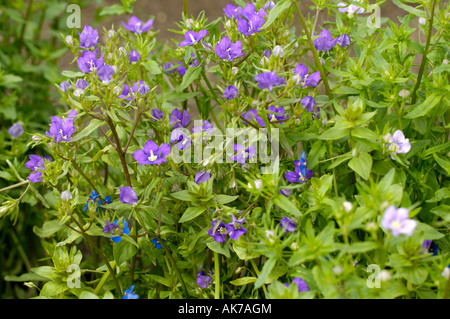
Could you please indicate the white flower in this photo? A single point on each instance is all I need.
(111, 34)
(404, 93)
(69, 40)
(66, 195)
(422, 21)
(347, 206)
(278, 51)
(384, 275)
(446, 273)
(258, 184)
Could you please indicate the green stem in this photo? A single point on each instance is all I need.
(424, 56)
(14, 186)
(314, 52)
(217, 276)
(185, 10)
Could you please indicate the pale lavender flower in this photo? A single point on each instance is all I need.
(285, 192)
(268, 80)
(152, 153)
(134, 56)
(88, 61)
(206, 127)
(140, 87)
(325, 42)
(88, 37)
(192, 37)
(399, 144)
(178, 119)
(81, 84)
(396, 220)
(235, 228)
(156, 114)
(64, 86)
(230, 92)
(201, 177)
(226, 50)
(287, 225)
(350, 9)
(128, 195)
(16, 130)
(278, 114)
(308, 103)
(135, 25)
(181, 139)
(168, 67)
(343, 40)
(105, 73)
(252, 116)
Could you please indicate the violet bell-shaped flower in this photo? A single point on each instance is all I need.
(235, 228)
(301, 172)
(232, 11)
(192, 37)
(226, 50)
(180, 139)
(135, 25)
(252, 116)
(88, 61)
(62, 129)
(178, 119)
(268, 80)
(88, 37)
(325, 42)
(37, 165)
(128, 195)
(397, 221)
(242, 153)
(203, 280)
(277, 115)
(218, 232)
(230, 92)
(201, 177)
(16, 130)
(105, 73)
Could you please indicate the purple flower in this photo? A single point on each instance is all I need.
(235, 228)
(242, 154)
(398, 143)
(192, 37)
(269, 5)
(287, 225)
(301, 284)
(152, 153)
(88, 61)
(88, 38)
(325, 42)
(62, 129)
(206, 127)
(252, 116)
(277, 115)
(129, 294)
(178, 119)
(181, 139)
(250, 26)
(168, 68)
(201, 177)
(157, 244)
(16, 130)
(134, 56)
(36, 164)
(301, 70)
(156, 114)
(301, 173)
(64, 86)
(312, 80)
(306, 80)
(203, 280)
(232, 12)
(308, 103)
(268, 80)
(230, 92)
(343, 40)
(81, 84)
(135, 25)
(125, 93)
(105, 73)
(140, 87)
(181, 69)
(350, 9)
(285, 192)
(219, 232)
(397, 221)
(225, 50)
(109, 228)
(128, 195)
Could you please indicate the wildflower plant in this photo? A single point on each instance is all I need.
(167, 179)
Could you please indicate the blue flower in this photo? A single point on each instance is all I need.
(94, 198)
(121, 229)
(157, 244)
(129, 294)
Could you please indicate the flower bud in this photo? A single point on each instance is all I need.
(403, 93)
(347, 206)
(66, 196)
(234, 70)
(387, 138)
(190, 23)
(445, 61)
(228, 24)
(422, 21)
(111, 34)
(122, 51)
(36, 138)
(385, 275)
(278, 51)
(337, 270)
(69, 40)
(78, 92)
(258, 184)
(446, 273)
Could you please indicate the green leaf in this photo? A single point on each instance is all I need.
(123, 251)
(414, 11)
(445, 164)
(183, 195)
(26, 277)
(416, 275)
(191, 213)
(364, 133)
(48, 229)
(46, 272)
(285, 204)
(190, 76)
(361, 164)
(361, 247)
(115, 9)
(53, 288)
(218, 248)
(93, 125)
(225, 199)
(243, 281)
(316, 153)
(265, 272)
(334, 133)
(72, 74)
(152, 67)
(275, 12)
(425, 107)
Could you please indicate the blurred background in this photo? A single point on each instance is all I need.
(32, 58)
